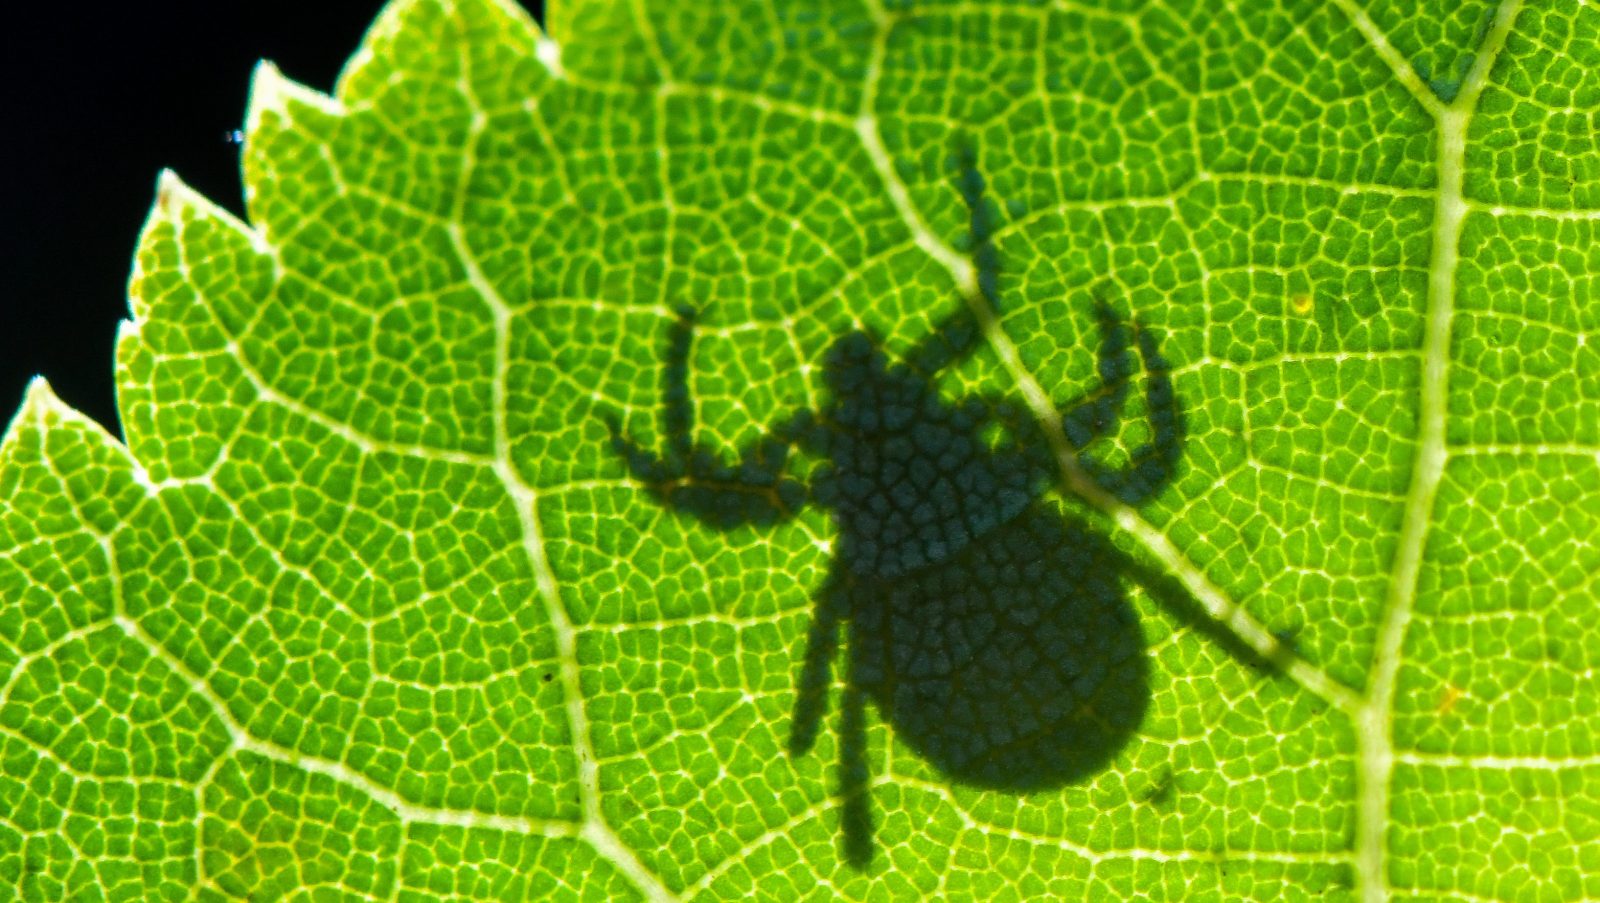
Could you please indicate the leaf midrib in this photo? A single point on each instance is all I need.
(1374, 722)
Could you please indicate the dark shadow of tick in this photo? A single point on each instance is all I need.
(989, 627)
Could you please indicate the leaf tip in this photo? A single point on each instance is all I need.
(265, 77)
(43, 411)
(174, 197)
(41, 402)
(39, 395)
(171, 193)
(271, 92)
(38, 399)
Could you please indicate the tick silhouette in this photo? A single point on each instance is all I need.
(988, 626)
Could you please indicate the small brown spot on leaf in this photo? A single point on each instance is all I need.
(1447, 700)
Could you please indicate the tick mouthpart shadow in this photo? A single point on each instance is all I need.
(1016, 665)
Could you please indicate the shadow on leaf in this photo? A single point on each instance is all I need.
(989, 628)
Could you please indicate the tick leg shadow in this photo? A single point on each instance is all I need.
(1017, 665)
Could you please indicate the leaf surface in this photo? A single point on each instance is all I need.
(369, 605)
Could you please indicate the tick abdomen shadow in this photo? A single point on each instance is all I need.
(1016, 665)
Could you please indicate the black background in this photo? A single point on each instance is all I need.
(96, 100)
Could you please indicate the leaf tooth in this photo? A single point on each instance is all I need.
(40, 408)
(37, 399)
(273, 98)
(174, 197)
(273, 92)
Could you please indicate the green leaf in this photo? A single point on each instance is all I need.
(401, 589)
